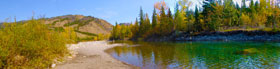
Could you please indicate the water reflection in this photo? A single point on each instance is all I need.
(200, 55)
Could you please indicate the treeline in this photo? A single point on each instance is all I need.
(32, 44)
(214, 15)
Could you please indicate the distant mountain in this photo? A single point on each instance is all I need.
(127, 24)
(85, 26)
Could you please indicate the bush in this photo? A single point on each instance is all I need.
(86, 33)
(95, 38)
(59, 29)
(245, 20)
(30, 45)
(85, 39)
(72, 23)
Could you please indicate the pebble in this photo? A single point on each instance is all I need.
(53, 65)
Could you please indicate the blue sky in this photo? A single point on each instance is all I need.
(110, 10)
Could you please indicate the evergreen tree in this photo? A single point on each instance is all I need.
(147, 23)
(230, 17)
(179, 21)
(197, 24)
(190, 22)
(206, 10)
(243, 5)
(154, 20)
(170, 22)
(215, 15)
(176, 17)
(137, 24)
(163, 22)
(135, 29)
(148, 27)
(114, 34)
(237, 6)
(142, 25)
(252, 7)
(209, 16)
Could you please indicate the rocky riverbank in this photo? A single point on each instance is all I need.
(231, 36)
(220, 36)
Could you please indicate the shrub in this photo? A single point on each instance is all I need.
(86, 33)
(30, 45)
(85, 39)
(72, 23)
(59, 29)
(245, 20)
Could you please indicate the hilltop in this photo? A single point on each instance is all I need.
(85, 26)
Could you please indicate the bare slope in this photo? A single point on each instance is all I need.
(85, 26)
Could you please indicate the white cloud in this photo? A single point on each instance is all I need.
(172, 3)
(240, 1)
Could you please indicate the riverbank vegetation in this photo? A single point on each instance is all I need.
(220, 15)
(32, 44)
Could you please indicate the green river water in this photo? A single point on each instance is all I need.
(199, 55)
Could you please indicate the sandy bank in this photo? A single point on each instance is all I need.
(91, 55)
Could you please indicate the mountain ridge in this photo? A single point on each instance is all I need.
(85, 26)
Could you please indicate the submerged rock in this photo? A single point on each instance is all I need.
(247, 51)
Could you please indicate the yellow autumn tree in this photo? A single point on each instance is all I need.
(245, 19)
(69, 34)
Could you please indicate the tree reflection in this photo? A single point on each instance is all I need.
(200, 54)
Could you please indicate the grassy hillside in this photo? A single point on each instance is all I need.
(86, 27)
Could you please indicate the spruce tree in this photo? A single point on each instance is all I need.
(252, 7)
(170, 21)
(147, 23)
(154, 20)
(176, 17)
(197, 24)
(135, 29)
(142, 25)
(163, 21)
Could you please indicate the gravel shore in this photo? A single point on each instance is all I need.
(91, 55)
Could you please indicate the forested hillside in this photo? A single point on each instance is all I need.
(214, 15)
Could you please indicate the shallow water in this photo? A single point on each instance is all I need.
(201, 55)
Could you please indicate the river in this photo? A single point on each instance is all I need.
(199, 54)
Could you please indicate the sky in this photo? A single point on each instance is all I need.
(110, 10)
